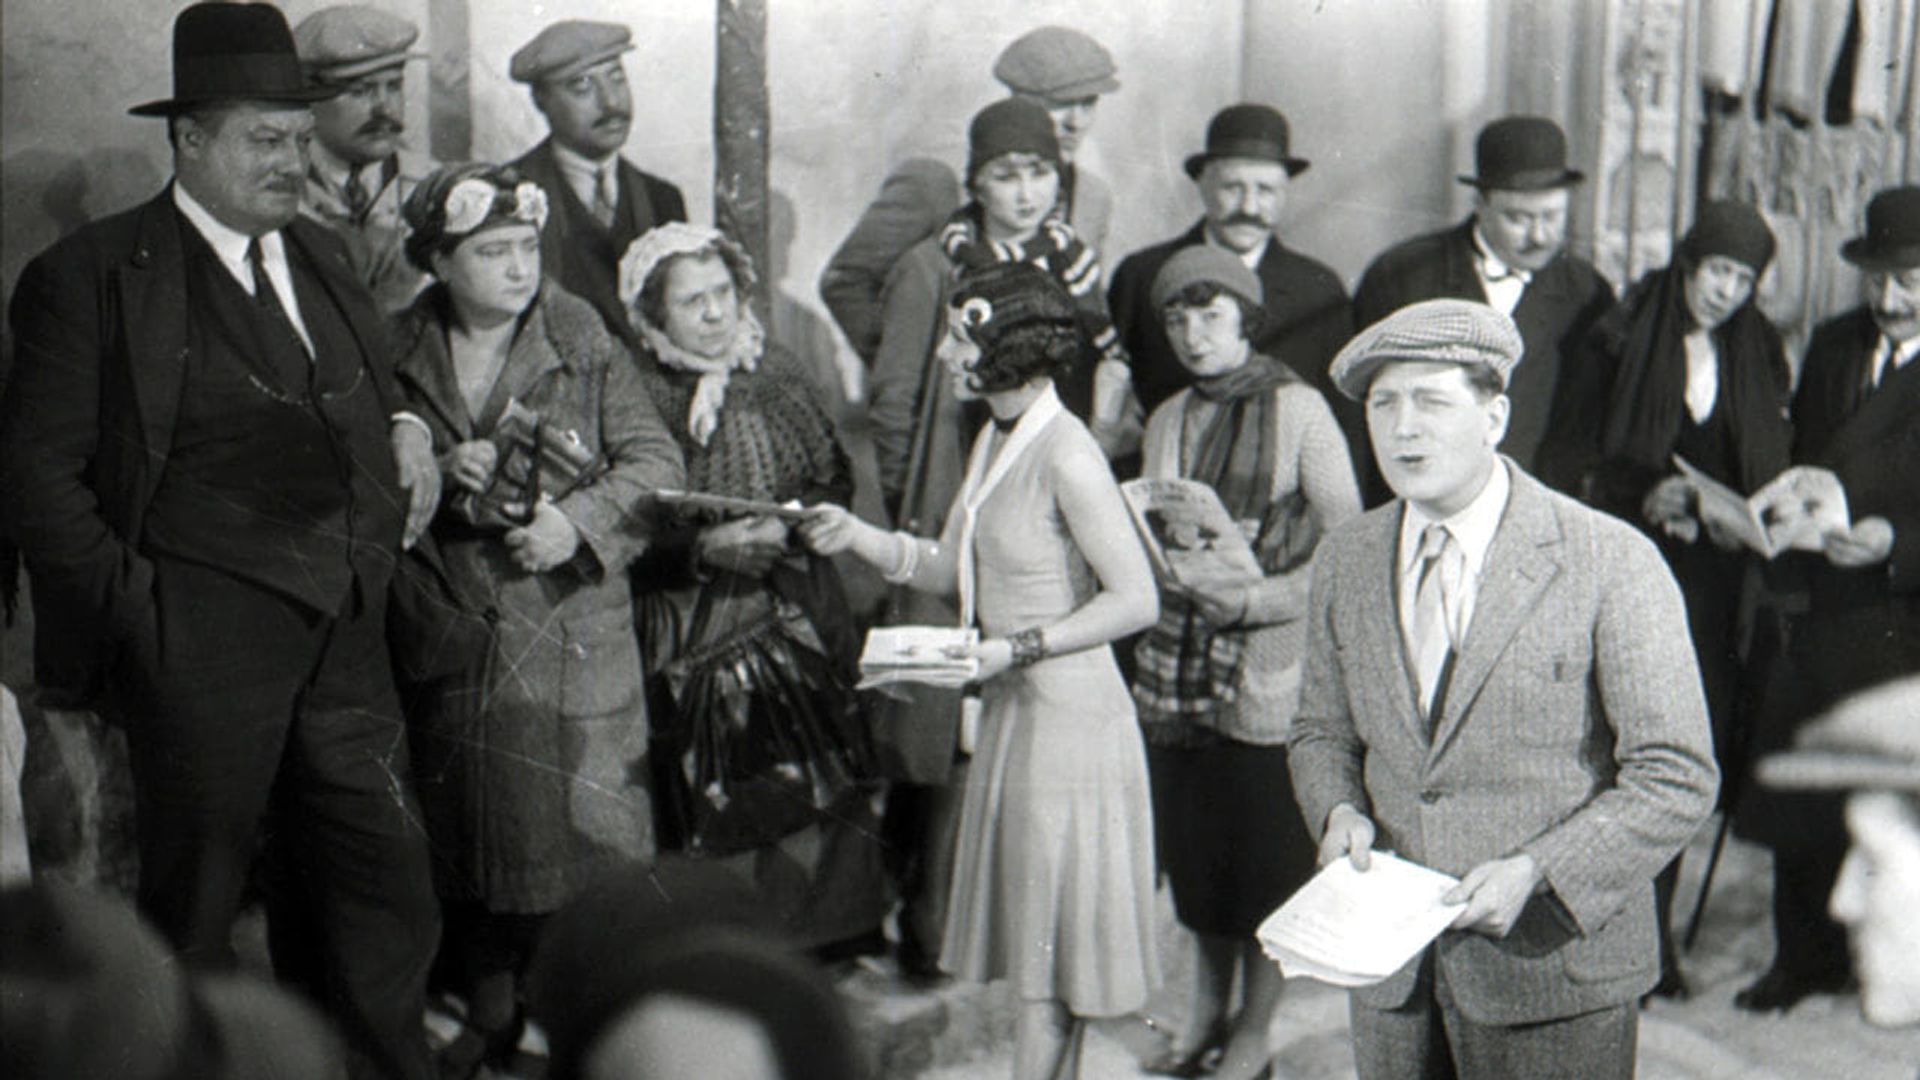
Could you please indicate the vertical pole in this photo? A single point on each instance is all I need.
(449, 101)
(741, 127)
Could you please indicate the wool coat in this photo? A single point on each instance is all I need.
(1573, 729)
(1555, 312)
(543, 784)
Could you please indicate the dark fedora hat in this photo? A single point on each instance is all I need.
(1892, 240)
(234, 52)
(1247, 131)
(1521, 153)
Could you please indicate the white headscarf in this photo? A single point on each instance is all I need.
(643, 257)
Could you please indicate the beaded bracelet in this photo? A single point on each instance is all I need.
(1029, 646)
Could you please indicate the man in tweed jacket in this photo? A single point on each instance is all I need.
(1541, 734)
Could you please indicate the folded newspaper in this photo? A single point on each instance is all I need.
(918, 654)
(1794, 510)
(1352, 927)
(1188, 533)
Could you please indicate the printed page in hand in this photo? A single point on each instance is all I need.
(1188, 532)
(1351, 928)
(918, 654)
(1727, 508)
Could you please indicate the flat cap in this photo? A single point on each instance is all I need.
(1434, 332)
(348, 41)
(567, 48)
(1199, 263)
(1870, 740)
(1056, 63)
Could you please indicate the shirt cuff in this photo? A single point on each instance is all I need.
(404, 417)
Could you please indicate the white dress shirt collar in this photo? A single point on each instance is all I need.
(1251, 258)
(1473, 527)
(230, 246)
(582, 173)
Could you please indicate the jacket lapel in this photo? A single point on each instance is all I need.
(154, 324)
(1380, 616)
(1462, 280)
(531, 358)
(1891, 406)
(426, 366)
(1519, 567)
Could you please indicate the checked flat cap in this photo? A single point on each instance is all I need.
(1432, 331)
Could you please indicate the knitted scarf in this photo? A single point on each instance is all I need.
(1055, 248)
(1188, 669)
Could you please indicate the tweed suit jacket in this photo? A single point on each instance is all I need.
(1574, 729)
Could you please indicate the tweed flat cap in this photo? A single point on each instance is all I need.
(567, 48)
(1432, 331)
(1198, 263)
(1056, 63)
(346, 42)
(1870, 740)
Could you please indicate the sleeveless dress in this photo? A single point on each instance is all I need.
(1053, 877)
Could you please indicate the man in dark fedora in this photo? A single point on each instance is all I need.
(1511, 254)
(600, 201)
(360, 173)
(1856, 413)
(200, 462)
(1243, 176)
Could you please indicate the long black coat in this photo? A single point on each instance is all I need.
(100, 322)
(1555, 312)
(1308, 319)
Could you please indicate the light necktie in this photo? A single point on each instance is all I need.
(603, 196)
(1431, 643)
(1884, 352)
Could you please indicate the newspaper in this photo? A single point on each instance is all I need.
(1795, 510)
(918, 654)
(1351, 927)
(1188, 533)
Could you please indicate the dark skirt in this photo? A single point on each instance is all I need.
(1229, 833)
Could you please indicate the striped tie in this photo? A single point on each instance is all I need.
(1431, 641)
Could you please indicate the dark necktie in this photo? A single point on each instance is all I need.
(268, 298)
(358, 199)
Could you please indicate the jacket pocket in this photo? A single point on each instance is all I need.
(1621, 949)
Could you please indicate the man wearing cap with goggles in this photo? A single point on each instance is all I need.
(1856, 413)
(1498, 684)
(360, 174)
(600, 201)
(1511, 253)
(1243, 176)
(200, 462)
(1062, 69)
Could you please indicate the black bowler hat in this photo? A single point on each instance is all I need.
(1521, 153)
(1247, 131)
(234, 52)
(1892, 240)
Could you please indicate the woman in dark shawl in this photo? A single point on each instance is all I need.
(1686, 366)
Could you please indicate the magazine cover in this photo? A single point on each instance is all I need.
(1188, 532)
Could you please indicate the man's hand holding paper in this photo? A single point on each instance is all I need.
(1495, 892)
(1350, 927)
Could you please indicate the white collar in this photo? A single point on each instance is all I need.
(575, 163)
(1251, 258)
(229, 243)
(1492, 267)
(1473, 526)
(1903, 351)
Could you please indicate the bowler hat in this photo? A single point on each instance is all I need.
(1892, 240)
(234, 52)
(1521, 153)
(1445, 331)
(1247, 131)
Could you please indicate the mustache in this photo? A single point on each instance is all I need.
(381, 125)
(1255, 220)
(611, 118)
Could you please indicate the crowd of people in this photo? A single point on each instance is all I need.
(464, 561)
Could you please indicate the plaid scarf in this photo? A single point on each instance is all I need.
(1055, 248)
(1188, 670)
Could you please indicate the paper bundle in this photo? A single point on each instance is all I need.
(1353, 928)
(919, 654)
